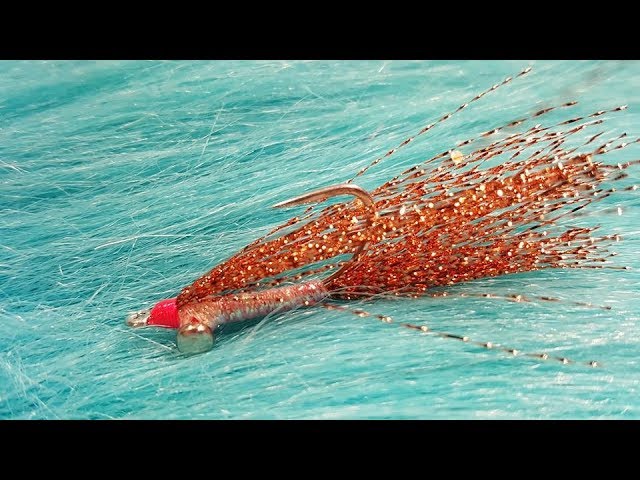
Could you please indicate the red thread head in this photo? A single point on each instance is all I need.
(164, 314)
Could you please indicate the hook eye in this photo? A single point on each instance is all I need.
(139, 319)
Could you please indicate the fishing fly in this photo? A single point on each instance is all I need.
(500, 208)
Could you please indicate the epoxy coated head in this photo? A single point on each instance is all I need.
(194, 338)
(163, 314)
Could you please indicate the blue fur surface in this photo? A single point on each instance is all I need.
(120, 182)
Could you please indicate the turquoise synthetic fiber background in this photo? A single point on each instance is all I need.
(122, 181)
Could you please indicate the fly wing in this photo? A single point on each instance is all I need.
(441, 222)
(503, 208)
